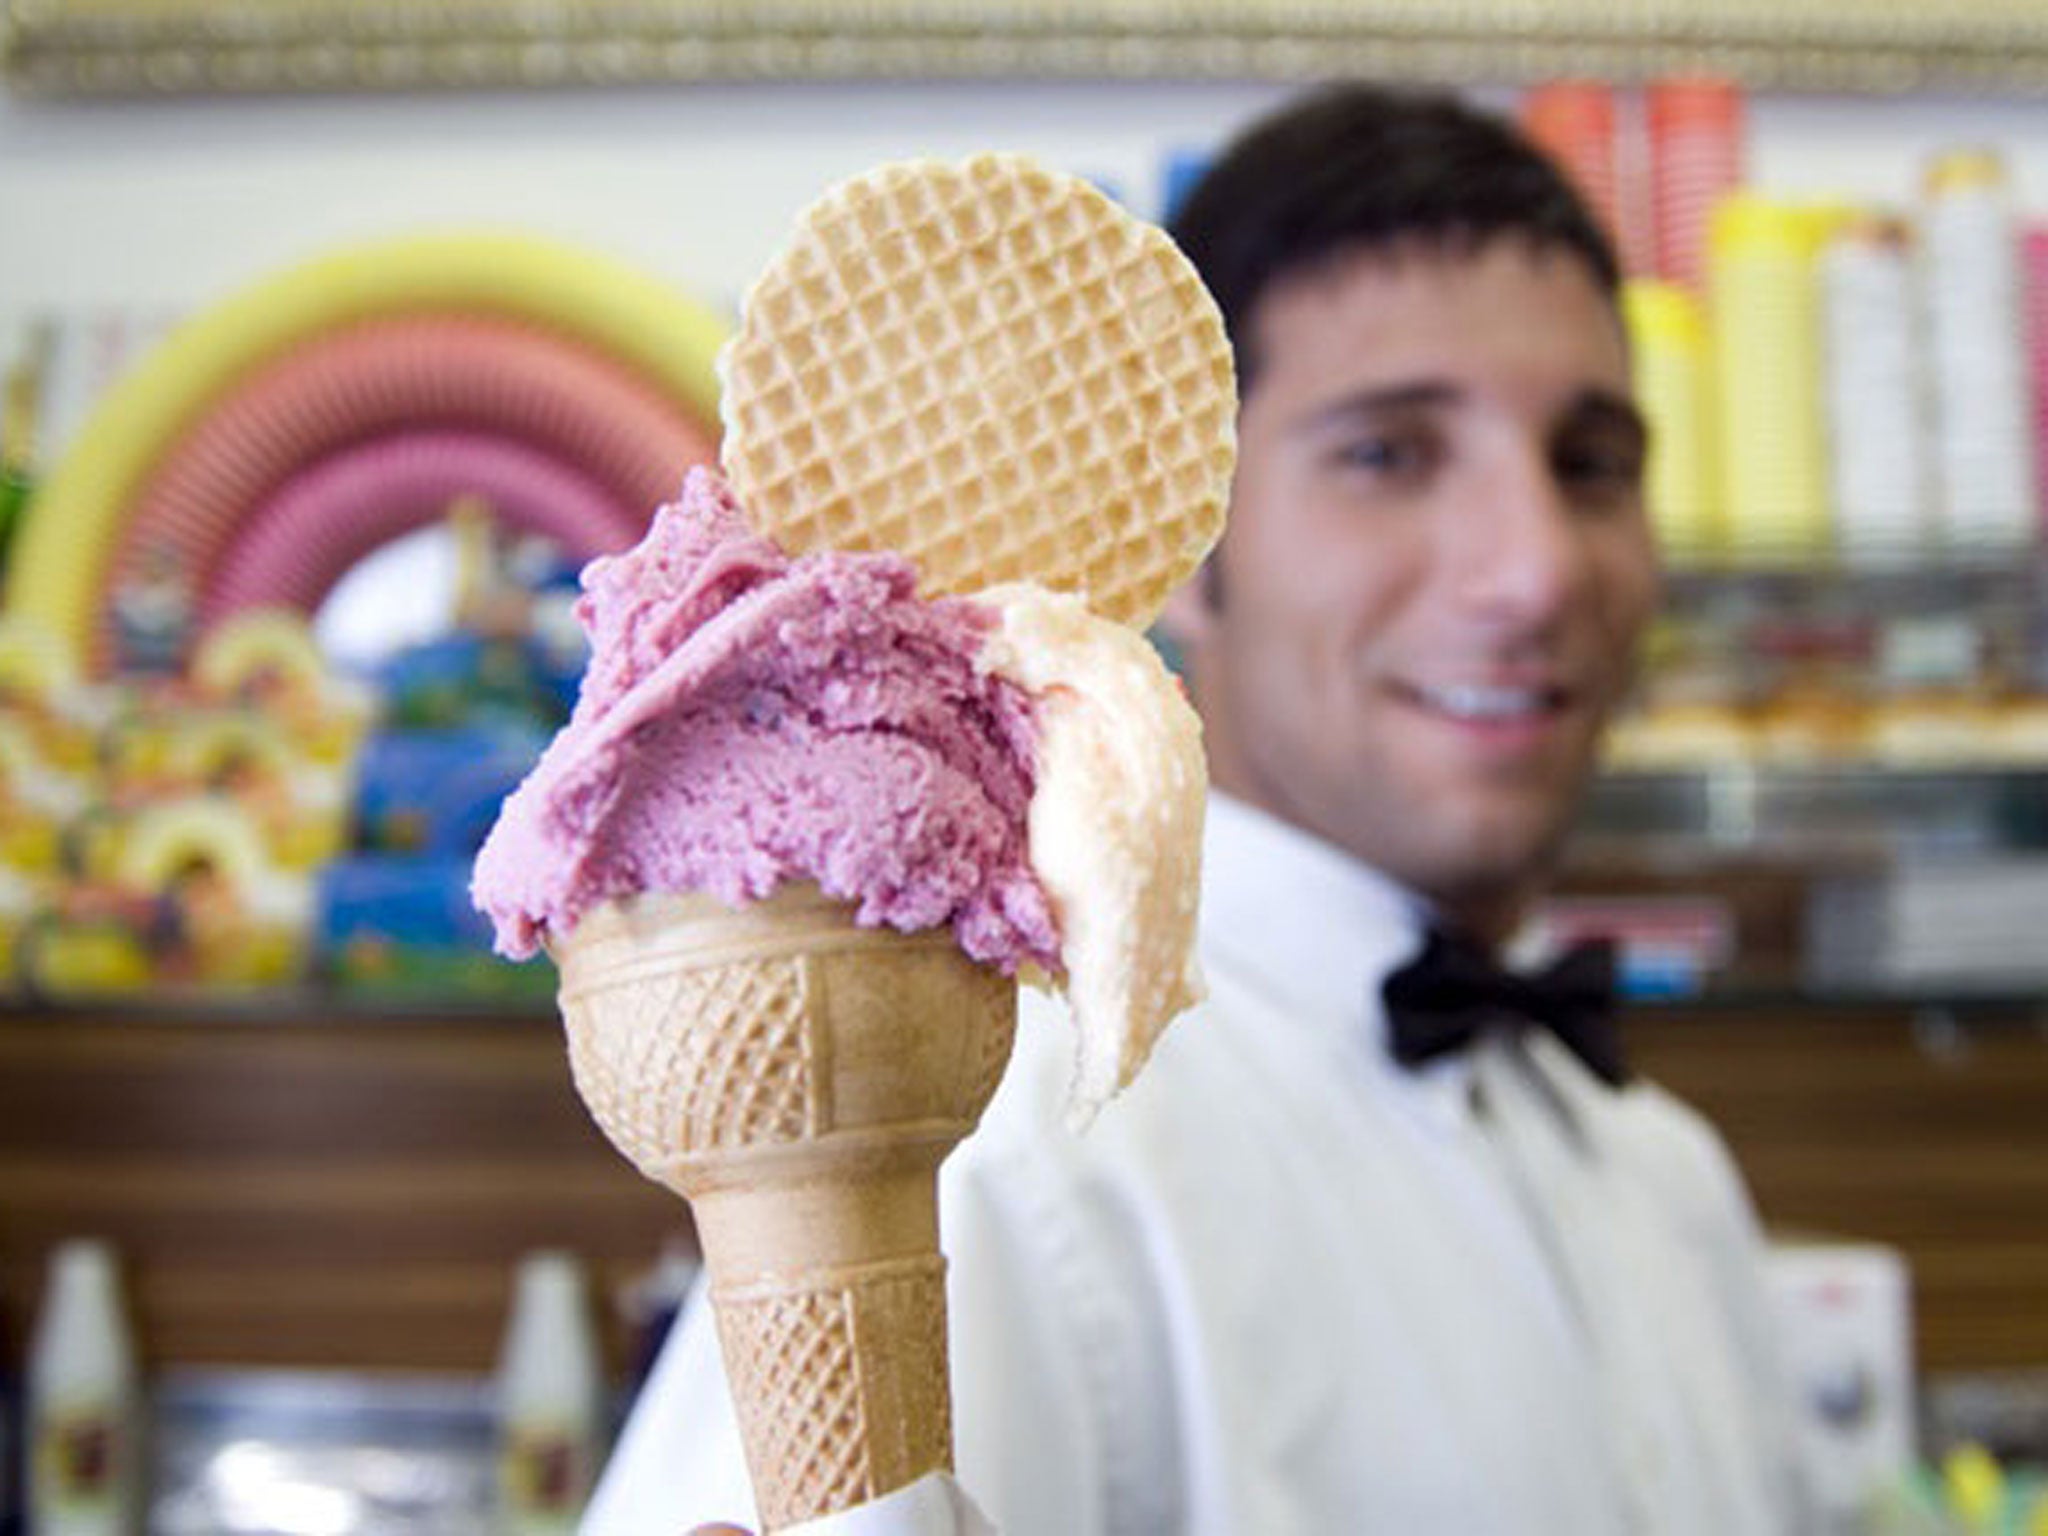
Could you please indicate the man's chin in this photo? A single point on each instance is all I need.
(1502, 854)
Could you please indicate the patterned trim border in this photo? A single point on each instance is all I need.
(169, 47)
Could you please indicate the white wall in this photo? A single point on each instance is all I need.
(156, 208)
(165, 202)
(171, 203)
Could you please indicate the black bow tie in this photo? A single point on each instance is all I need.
(1442, 999)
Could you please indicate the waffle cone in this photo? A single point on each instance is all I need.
(798, 1080)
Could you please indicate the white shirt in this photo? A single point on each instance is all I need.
(1285, 1287)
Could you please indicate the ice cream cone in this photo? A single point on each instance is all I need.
(798, 1080)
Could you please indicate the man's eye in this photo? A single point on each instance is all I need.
(1607, 467)
(1384, 454)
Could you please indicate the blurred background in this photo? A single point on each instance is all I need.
(335, 340)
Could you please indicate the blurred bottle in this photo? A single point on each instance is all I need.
(1698, 130)
(1179, 174)
(1766, 397)
(85, 1465)
(1975, 1486)
(2034, 271)
(550, 1399)
(21, 407)
(1983, 446)
(1667, 334)
(1879, 468)
(11, 1426)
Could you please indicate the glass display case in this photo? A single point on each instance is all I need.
(1852, 762)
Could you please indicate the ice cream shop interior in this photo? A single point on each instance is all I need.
(337, 341)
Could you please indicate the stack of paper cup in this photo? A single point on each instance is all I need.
(1878, 459)
(1696, 142)
(1574, 122)
(1667, 334)
(2034, 263)
(1766, 397)
(1983, 419)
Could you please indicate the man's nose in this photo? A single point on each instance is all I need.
(1521, 556)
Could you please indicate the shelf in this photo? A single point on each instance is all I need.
(1847, 811)
(110, 47)
(1916, 581)
(311, 1015)
(1932, 1010)
(294, 1006)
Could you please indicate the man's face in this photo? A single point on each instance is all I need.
(1436, 568)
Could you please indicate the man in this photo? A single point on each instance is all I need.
(1290, 1283)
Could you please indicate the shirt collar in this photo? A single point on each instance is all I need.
(1316, 930)
(1304, 918)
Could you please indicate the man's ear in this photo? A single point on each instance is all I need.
(1189, 618)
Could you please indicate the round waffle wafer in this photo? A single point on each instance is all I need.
(991, 368)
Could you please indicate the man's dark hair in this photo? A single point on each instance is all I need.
(1355, 167)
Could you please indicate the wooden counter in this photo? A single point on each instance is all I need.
(1881, 1123)
(353, 1191)
(331, 1191)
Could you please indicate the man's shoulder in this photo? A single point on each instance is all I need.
(1677, 1143)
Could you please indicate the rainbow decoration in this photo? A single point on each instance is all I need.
(270, 442)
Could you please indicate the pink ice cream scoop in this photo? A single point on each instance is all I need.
(750, 719)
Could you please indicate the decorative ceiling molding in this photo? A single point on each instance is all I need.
(167, 47)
